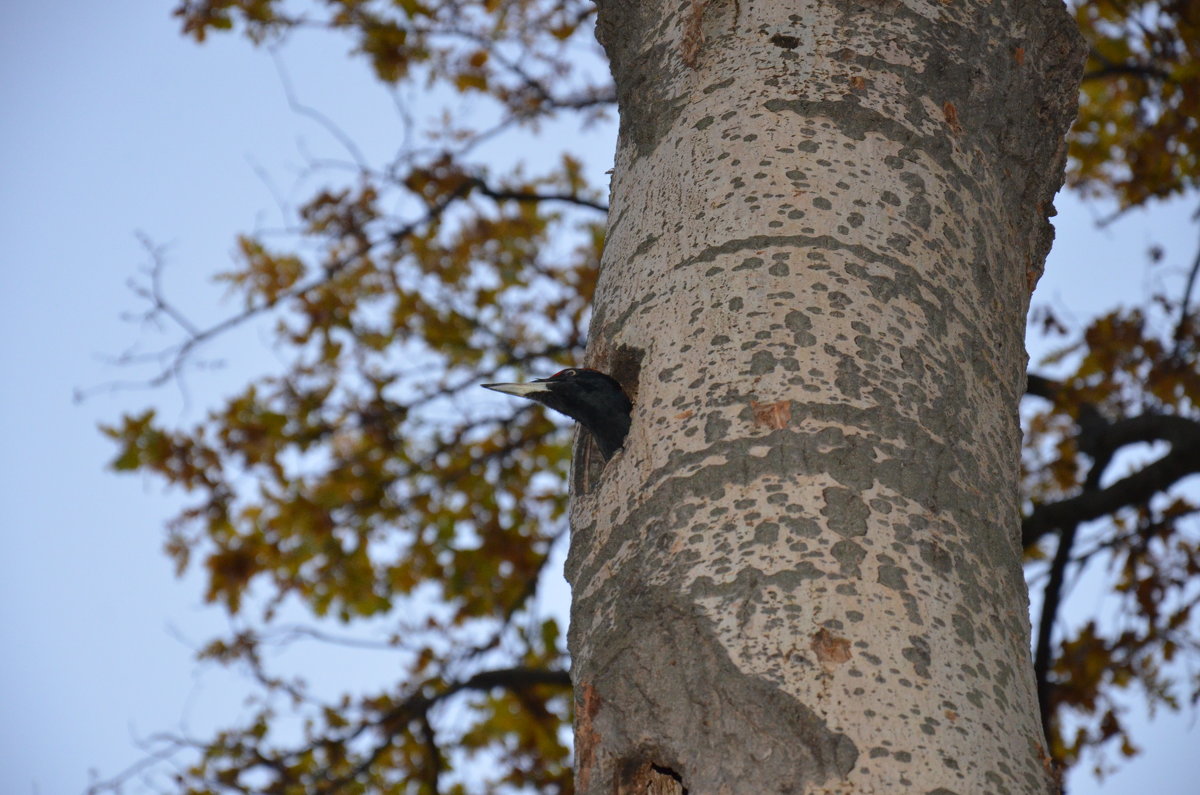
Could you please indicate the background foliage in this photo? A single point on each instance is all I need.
(366, 481)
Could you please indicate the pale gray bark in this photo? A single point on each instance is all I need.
(802, 573)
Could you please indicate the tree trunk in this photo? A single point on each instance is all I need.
(802, 573)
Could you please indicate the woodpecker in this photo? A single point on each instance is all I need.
(593, 398)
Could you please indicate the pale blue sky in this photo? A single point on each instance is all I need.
(115, 124)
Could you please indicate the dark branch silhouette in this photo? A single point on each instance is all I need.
(1183, 459)
(390, 724)
(1099, 439)
(394, 721)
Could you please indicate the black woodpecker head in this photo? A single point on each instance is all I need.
(594, 399)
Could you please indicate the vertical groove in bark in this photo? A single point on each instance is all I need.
(802, 573)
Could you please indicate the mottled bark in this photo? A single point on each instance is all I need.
(802, 573)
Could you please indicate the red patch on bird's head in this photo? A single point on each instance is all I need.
(571, 371)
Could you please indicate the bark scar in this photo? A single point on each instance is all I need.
(831, 650)
(586, 736)
(775, 415)
(951, 114)
(693, 33)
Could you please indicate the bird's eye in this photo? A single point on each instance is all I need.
(570, 373)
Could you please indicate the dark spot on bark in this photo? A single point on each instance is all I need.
(786, 42)
(868, 348)
(964, 630)
(805, 528)
(849, 556)
(766, 533)
(846, 512)
(717, 86)
(892, 577)
(801, 326)
(918, 211)
(849, 379)
(918, 655)
(936, 557)
(715, 428)
(900, 242)
(762, 362)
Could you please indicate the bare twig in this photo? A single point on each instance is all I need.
(524, 196)
(1185, 309)
(417, 707)
(312, 113)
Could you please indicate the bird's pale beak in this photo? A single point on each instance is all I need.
(520, 390)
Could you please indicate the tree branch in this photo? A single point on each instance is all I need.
(172, 358)
(1053, 592)
(1110, 68)
(1185, 309)
(417, 707)
(1182, 433)
(1130, 69)
(1040, 386)
(523, 196)
(433, 770)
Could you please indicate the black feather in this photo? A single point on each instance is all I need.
(592, 398)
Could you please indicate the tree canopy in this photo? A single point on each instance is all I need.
(366, 478)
